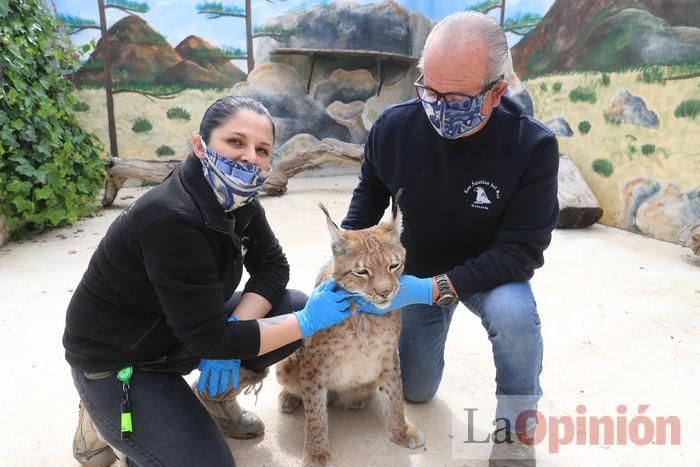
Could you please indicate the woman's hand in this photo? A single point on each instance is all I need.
(326, 306)
(215, 375)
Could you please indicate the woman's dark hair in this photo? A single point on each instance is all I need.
(227, 107)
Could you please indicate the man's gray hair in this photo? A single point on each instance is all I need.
(468, 26)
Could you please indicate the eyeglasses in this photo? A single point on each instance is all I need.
(454, 100)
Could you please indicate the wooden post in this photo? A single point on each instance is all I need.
(249, 36)
(311, 72)
(107, 67)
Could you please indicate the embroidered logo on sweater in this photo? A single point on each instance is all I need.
(482, 193)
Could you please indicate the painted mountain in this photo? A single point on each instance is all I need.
(607, 35)
(141, 55)
(203, 65)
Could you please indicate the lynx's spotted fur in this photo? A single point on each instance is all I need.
(348, 362)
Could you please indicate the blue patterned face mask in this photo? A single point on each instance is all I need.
(453, 115)
(235, 184)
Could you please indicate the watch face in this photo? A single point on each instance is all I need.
(446, 300)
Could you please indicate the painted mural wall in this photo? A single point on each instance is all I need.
(618, 81)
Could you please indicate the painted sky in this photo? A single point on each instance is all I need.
(177, 19)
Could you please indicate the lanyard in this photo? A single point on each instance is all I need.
(124, 375)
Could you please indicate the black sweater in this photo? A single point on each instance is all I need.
(156, 285)
(481, 208)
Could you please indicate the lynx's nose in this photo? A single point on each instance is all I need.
(384, 293)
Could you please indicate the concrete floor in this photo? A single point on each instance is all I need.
(620, 316)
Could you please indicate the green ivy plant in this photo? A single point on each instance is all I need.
(50, 168)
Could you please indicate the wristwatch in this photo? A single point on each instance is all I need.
(446, 297)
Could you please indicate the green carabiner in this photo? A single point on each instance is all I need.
(124, 375)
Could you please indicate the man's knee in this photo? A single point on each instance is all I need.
(419, 386)
(419, 395)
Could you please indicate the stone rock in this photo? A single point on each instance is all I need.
(664, 214)
(346, 86)
(578, 206)
(523, 98)
(516, 90)
(634, 193)
(632, 110)
(560, 126)
(390, 94)
(377, 26)
(350, 115)
(280, 88)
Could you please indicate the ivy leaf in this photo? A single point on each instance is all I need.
(18, 186)
(83, 185)
(22, 204)
(26, 170)
(45, 192)
(56, 216)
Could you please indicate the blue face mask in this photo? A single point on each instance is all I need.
(235, 184)
(453, 115)
(454, 123)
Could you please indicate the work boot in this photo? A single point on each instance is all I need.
(233, 420)
(510, 451)
(89, 448)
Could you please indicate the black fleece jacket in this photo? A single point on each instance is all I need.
(480, 208)
(156, 285)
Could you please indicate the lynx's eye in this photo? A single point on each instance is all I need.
(361, 272)
(394, 266)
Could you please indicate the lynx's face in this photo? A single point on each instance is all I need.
(369, 262)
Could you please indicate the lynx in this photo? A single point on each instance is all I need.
(347, 363)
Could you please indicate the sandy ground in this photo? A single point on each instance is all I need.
(620, 323)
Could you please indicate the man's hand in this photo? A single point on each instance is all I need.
(412, 291)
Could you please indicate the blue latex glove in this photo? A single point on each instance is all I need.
(215, 375)
(412, 291)
(326, 306)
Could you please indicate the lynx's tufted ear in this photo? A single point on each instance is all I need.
(396, 226)
(338, 243)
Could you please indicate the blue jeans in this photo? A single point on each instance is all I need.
(171, 427)
(509, 315)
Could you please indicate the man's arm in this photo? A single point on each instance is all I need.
(371, 197)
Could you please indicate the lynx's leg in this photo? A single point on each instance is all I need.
(287, 372)
(402, 432)
(316, 424)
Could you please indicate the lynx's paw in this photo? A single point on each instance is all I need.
(411, 438)
(318, 459)
(288, 402)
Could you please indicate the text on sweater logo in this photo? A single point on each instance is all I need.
(482, 193)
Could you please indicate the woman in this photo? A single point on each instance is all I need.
(152, 305)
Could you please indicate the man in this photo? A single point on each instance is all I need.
(479, 203)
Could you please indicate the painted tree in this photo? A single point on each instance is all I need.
(130, 8)
(214, 10)
(76, 24)
(519, 24)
